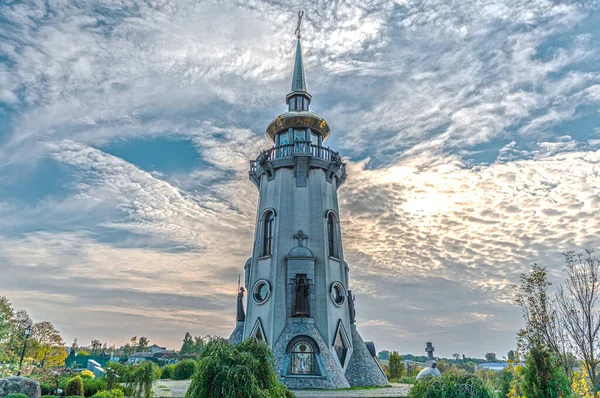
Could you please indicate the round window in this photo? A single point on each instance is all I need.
(338, 293)
(261, 291)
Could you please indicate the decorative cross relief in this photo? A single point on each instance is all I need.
(301, 237)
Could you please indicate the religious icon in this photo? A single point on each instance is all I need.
(301, 307)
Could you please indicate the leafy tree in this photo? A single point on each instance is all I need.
(83, 353)
(49, 345)
(246, 370)
(95, 347)
(579, 310)
(184, 369)
(143, 377)
(543, 327)
(456, 356)
(396, 366)
(450, 385)
(143, 344)
(198, 344)
(74, 386)
(383, 355)
(505, 383)
(543, 377)
(188, 344)
(510, 356)
(490, 357)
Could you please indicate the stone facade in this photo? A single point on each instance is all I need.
(363, 370)
(332, 374)
(238, 334)
(18, 384)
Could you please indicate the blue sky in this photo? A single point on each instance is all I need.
(471, 131)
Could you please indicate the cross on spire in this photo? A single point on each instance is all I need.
(301, 237)
(297, 32)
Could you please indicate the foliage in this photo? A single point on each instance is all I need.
(49, 396)
(87, 374)
(142, 378)
(491, 357)
(192, 346)
(505, 383)
(167, 371)
(184, 369)
(143, 344)
(396, 366)
(16, 395)
(49, 346)
(452, 385)
(114, 393)
(246, 370)
(92, 386)
(74, 396)
(75, 386)
(383, 355)
(579, 312)
(83, 353)
(582, 386)
(543, 377)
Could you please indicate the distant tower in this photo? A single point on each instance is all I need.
(297, 280)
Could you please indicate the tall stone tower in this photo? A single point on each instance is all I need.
(298, 299)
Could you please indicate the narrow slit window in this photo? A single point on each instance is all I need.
(268, 233)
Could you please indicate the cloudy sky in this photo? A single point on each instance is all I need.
(471, 131)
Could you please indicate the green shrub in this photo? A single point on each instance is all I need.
(114, 393)
(74, 387)
(16, 395)
(450, 385)
(543, 377)
(167, 372)
(127, 390)
(395, 366)
(92, 386)
(142, 378)
(246, 370)
(185, 369)
(74, 396)
(48, 396)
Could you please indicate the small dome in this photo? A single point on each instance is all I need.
(300, 251)
(429, 372)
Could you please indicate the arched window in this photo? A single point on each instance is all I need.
(269, 220)
(303, 358)
(331, 235)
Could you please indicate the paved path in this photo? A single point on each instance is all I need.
(177, 389)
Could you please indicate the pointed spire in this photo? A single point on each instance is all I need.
(298, 82)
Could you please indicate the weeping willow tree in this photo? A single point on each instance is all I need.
(246, 370)
(142, 377)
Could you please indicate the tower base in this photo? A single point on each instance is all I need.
(363, 370)
(237, 335)
(331, 373)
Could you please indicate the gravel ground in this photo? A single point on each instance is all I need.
(177, 389)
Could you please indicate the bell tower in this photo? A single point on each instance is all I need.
(298, 300)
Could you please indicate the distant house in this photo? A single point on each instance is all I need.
(155, 348)
(494, 365)
(140, 357)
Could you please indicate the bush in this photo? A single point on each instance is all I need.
(406, 380)
(395, 366)
(167, 372)
(87, 374)
(48, 396)
(142, 378)
(543, 377)
(184, 369)
(92, 386)
(16, 395)
(74, 387)
(75, 396)
(450, 385)
(246, 370)
(114, 393)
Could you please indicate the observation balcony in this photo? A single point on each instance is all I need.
(302, 156)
